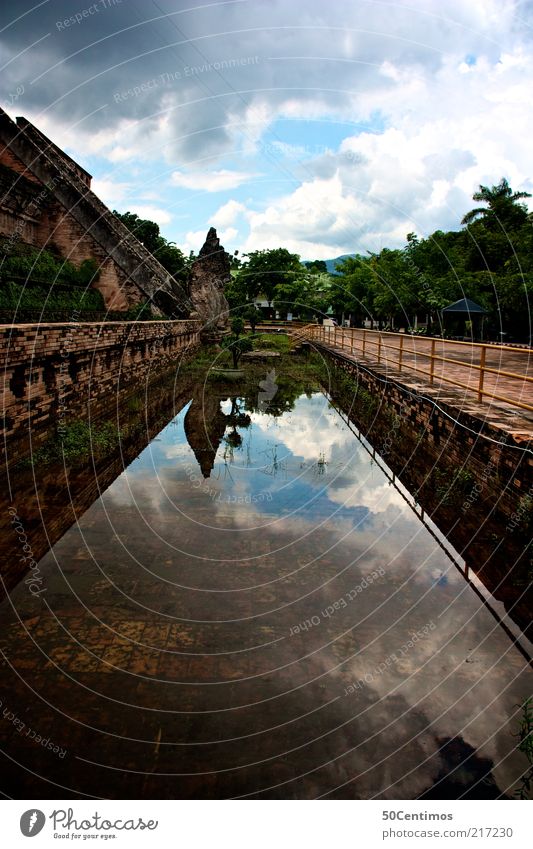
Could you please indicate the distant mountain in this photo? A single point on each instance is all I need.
(331, 263)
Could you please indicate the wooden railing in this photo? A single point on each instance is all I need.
(473, 366)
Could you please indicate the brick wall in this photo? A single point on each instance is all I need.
(36, 218)
(54, 373)
(75, 244)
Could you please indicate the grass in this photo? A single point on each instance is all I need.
(279, 342)
(451, 487)
(75, 443)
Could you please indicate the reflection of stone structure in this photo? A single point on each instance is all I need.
(205, 425)
(209, 274)
(268, 388)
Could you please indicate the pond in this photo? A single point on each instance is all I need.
(254, 608)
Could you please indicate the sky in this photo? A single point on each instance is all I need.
(324, 128)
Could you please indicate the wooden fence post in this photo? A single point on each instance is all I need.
(432, 363)
(481, 373)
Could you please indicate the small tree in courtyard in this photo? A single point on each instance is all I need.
(237, 344)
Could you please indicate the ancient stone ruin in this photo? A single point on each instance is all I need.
(46, 198)
(209, 274)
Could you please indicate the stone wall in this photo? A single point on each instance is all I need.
(55, 373)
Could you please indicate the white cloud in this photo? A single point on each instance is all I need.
(441, 89)
(194, 240)
(111, 192)
(227, 214)
(228, 236)
(153, 213)
(210, 181)
(420, 171)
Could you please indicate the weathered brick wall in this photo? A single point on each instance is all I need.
(30, 213)
(53, 373)
(58, 227)
(9, 159)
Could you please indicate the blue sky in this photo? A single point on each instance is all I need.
(324, 128)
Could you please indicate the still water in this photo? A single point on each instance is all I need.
(252, 609)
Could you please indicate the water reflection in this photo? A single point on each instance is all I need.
(205, 425)
(252, 609)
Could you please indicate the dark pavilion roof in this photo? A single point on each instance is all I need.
(465, 305)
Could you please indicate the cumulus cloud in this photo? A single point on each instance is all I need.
(193, 241)
(110, 191)
(378, 186)
(210, 181)
(435, 93)
(153, 213)
(227, 214)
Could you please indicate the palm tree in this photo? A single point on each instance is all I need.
(502, 205)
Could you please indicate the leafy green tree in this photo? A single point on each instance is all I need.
(147, 232)
(235, 262)
(353, 288)
(236, 294)
(251, 314)
(237, 326)
(264, 270)
(317, 266)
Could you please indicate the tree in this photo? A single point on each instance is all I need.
(237, 345)
(317, 266)
(267, 269)
(234, 261)
(290, 296)
(353, 287)
(251, 314)
(147, 232)
(237, 326)
(502, 209)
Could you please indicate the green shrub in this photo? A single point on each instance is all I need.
(76, 442)
(18, 297)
